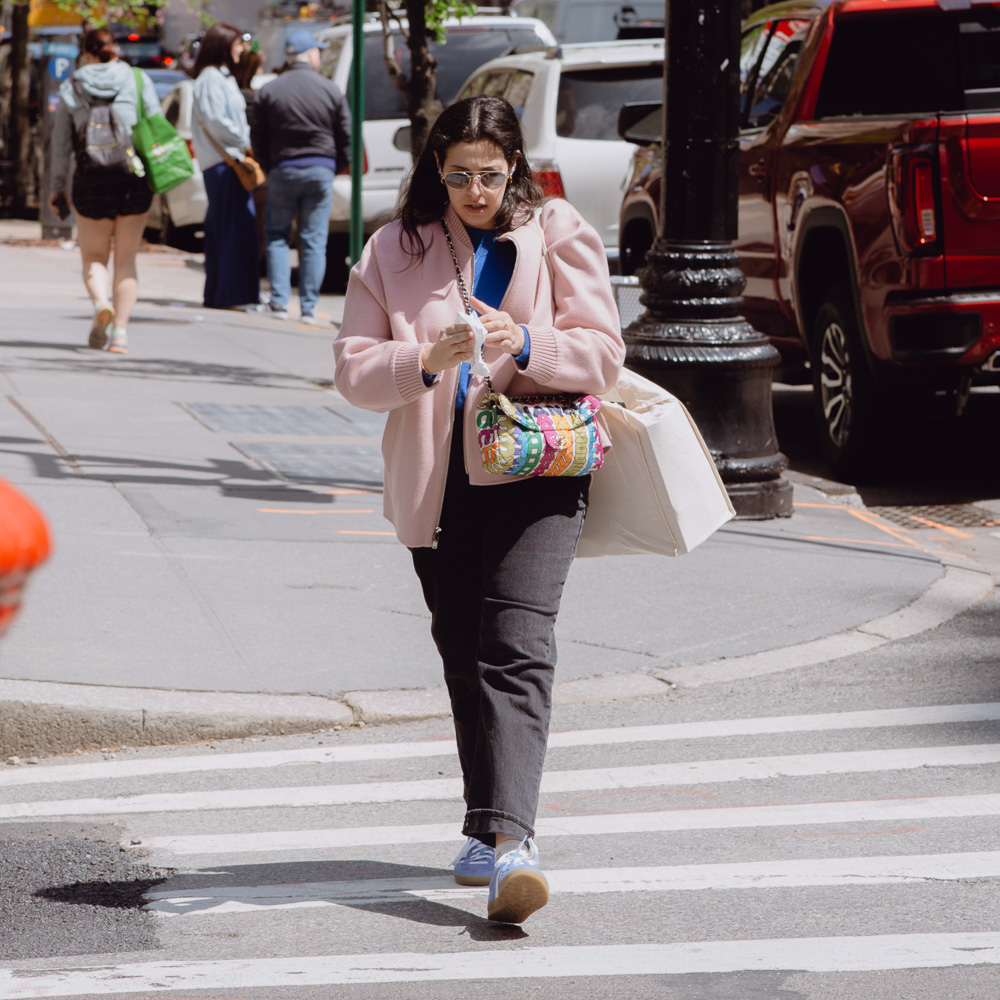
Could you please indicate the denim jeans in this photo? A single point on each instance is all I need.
(493, 587)
(309, 192)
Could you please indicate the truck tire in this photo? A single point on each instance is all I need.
(636, 243)
(337, 250)
(844, 391)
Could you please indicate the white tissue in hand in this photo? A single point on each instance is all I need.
(478, 366)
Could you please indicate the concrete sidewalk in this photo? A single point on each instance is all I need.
(222, 568)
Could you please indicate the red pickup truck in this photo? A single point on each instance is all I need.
(869, 204)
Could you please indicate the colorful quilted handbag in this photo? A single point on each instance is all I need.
(534, 435)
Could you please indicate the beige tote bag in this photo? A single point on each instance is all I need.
(659, 491)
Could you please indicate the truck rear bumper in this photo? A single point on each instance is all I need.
(962, 328)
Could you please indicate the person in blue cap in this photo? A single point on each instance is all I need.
(302, 137)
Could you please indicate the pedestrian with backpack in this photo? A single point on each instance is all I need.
(92, 135)
(221, 137)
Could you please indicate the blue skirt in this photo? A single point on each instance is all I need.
(231, 265)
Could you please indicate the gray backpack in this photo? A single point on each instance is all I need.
(102, 143)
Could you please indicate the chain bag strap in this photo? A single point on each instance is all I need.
(534, 435)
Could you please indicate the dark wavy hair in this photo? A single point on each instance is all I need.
(475, 119)
(100, 43)
(216, 48)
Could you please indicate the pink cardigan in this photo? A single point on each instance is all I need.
(396, 304)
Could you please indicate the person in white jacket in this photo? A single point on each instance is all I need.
(110, 209)
(220, 129)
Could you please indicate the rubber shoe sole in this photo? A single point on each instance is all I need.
(103, 319)
(520, 894)
(473, 879)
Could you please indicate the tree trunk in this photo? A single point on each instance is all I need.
(20, 123)
(423, 107)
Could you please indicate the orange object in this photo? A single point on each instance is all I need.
(24, 544)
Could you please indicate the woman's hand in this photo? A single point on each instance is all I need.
(454, 345)
(501, 330)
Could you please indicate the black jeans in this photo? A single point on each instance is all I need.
(493, 587)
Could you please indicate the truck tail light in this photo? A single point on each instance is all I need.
(922, 187)
(914, 199)
(548, 178)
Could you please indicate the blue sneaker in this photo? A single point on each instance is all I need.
(474, 863)
(518, 888)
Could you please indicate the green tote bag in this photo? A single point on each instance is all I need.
(163, 152)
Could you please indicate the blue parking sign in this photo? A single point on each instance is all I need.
(60, 67)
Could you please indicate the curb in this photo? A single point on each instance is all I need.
(42, 718)
(958, 588)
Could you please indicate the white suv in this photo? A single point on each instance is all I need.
(568, 98)
(471, 42)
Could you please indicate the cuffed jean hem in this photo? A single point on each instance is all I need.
(485, 824)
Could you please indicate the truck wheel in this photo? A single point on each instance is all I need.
(844, 390)
(635, 246)
(337, 249)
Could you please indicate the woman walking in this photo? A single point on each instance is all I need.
(491, 552)
(110, 208)
(219, 128)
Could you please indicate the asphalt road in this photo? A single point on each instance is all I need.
(725, 853)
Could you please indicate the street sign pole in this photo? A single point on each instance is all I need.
(357, 118)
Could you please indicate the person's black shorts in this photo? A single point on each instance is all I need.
(108, 201)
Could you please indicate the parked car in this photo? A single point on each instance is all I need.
(869, 205)
(164, 80)
(568, 99)
(470, 42)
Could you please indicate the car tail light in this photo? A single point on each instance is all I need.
(915, 208)
(168, 60)
(548, 178)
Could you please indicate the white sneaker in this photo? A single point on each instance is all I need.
(518, 888)
(310, 319)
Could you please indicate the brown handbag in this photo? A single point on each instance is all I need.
(248, 171)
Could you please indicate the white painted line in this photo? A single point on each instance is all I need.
(668, 878)
(831, 954)
(112, 770)
(593, 779)
(956, 589)
(797, 814)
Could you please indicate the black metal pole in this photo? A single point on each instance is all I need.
(692, 339)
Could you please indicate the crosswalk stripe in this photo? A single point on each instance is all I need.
(819, 954)
(833, 721)
(666, 878)
(593, 779)
(797, 814)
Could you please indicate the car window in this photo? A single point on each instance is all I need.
(518, 90)
(495, 83)
(465, 50)
(751, 47)
(330, 56)
(588, 101)
(959, 68)
(776, 71)
(171, 107)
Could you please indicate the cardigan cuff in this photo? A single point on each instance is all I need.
(543, 363)
(407, 372)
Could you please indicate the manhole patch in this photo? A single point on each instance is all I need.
(947, 515)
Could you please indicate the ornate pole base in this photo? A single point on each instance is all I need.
(693, 342)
